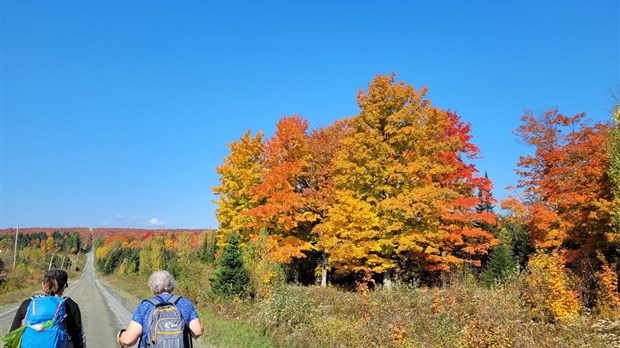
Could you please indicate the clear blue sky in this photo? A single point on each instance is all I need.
(116, 113)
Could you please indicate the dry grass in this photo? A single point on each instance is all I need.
(461, 315)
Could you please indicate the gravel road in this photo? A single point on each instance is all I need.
(104, 312)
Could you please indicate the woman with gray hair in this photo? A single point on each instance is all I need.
(162, 285)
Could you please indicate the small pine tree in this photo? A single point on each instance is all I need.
(486, 199)
(500, 266)
(501, 263)
(230, 278)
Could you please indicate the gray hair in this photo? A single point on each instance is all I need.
(161, 281)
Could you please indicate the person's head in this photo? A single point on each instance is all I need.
(160, 282)
(55, 282)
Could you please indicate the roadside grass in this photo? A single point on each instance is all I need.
(463, 314)
(10, 298)
(230, 333)
(460, 314)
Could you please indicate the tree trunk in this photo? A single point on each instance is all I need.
(51, 260)
(324, 271)
(387, 279)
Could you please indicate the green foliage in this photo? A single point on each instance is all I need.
(501, 263)
(264, 273)
(24, 240)
(230, 278)
(500, 266)
(133, 260)
(118, 259)
(521, 246)
(109, 264)
(171, 260)
(208, 249)
(99, 242)
(73, 243)
(65, 241)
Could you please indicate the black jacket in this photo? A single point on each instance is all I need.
(73, 321)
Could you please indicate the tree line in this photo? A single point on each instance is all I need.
(394, 192)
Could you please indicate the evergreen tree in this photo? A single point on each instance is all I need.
(501, 263)
(230, 278)
(486, 199)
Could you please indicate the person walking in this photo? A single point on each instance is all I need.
(54, 284)
(164, 311)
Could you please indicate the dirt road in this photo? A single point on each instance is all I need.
(103, 311)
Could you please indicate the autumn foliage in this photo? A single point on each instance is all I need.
(568, 206)
(549, 289)
(142, 251)
(391, 190)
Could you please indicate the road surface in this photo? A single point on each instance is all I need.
(103, 311)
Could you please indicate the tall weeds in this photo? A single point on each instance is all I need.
(462, 314)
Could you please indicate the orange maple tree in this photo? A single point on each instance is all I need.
(567, 196)
(565, 182)
(405, 194)
(278, 197)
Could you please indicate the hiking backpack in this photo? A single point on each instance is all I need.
(44, 323)
(166, 328)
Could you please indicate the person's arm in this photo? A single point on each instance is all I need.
(190, 315)
(130, 336)
(74, 324)
(196, 327)
(20, 315)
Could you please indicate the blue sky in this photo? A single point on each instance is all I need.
(116, 113)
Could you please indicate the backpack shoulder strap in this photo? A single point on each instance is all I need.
(153, 300)
(27, 308)
(60, 304)
(174, 299)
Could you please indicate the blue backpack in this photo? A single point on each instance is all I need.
(44, 323)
